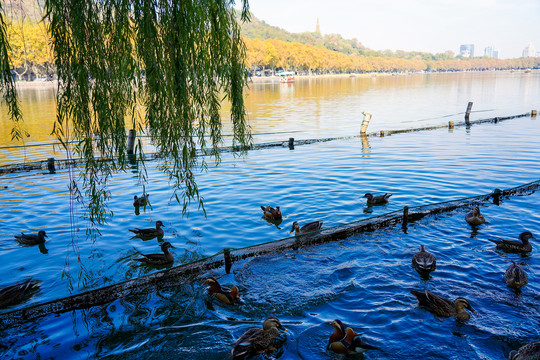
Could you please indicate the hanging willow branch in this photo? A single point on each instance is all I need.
(176, 57)
(7, 85)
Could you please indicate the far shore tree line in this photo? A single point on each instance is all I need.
(32, 58)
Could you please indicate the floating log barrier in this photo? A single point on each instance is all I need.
(189, 272)
(40, 165)
(365, 123)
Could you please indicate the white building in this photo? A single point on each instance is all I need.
(491, 52)
(529, 51)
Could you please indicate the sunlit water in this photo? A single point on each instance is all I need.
(365, 280)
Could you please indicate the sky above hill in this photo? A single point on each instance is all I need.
(414, 25)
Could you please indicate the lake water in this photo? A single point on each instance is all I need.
(365, 280)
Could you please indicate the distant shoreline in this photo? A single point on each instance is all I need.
(45, 85)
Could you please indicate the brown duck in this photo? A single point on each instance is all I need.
(515, 277)
(530, 351)
(346, 340)
(377, 200)
(272, 214)
(443, 307)
(227, 296)
(515, 246)
(32, 239)
(257, 340)
(424, 261)
(140, 201)
(474, 218)
(14, 294)
(309, 227)
(159, 259)
(149, 233)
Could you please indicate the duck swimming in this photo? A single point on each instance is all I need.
(474, 218)
(309, 227)
(346, 341)
(31, 239)
(257, 340)
(443, 307)
(515, 246)
(14, 294)
(515, 276)
(424, 261)
(377, 200)
(159, 259)
(270, 213)
(149, 232)
(227, 296)
(140, 201)
(530, 351)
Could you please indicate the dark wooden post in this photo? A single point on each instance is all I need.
(50, 165)
(131, 141)
(382, 133)
(291, 143)
(450, 124)
(496, 195)
(468, 112)
(228, 260)
(533, 113)
(405, 220)
(365, 123)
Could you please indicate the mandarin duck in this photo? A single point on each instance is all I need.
(270, 213)
(346, 340)
(228, 296)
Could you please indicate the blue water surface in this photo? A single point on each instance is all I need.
(365, 280)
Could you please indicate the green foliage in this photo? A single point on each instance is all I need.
(177, 58)
(7, 85)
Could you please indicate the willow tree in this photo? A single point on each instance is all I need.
(179, 59)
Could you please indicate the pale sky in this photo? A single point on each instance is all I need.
(414, 25)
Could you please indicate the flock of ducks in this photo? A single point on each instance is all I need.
(343, 340)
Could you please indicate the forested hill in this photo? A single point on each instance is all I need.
(258, 29)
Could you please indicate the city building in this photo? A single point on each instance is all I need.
(529, 51)
(491, 52)
(466, 50)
